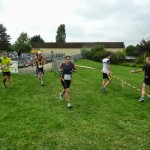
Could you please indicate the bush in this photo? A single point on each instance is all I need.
(97, 53)
(118, 57)
(140, 60)
(99, 56)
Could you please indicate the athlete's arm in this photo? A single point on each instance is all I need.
(10, 63)
(45, 59)
(108, 67)
(74, 68)
(60, 69)
(136, 71)
(34, 61)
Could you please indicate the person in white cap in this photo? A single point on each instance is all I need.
(40, 60)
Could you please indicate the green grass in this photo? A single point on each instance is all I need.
(33, 118)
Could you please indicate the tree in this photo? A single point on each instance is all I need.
(144, 46)
(36, 39)
(22, 43)
(130, 50)
(61, 34)
(96, 53)
(4, 39)
(23, 39)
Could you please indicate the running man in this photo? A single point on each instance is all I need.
(66, 69)
(40, 61)
(146, 81)
(106, 72)
(36, 71)
(5, 66)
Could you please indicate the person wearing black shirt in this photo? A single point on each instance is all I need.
(66, 69)
(146, 81)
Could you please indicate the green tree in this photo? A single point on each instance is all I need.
(130, 50)
(36, 39)
(144, 46)
(118, 57)
(96, 53)
(61, 34)
(4, 39)
(22, 43)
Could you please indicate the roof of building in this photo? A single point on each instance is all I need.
(78, 45)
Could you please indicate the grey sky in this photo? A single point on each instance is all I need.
(86, 20)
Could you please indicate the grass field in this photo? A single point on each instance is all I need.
(33, 118)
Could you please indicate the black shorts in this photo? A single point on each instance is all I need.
(147, 81)
(106, 76)
(65, 83)
(40, 70)
(6, 74)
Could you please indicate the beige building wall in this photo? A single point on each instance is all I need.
(67, 51)
(114, 49)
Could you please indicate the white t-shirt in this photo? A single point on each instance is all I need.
(105, 62)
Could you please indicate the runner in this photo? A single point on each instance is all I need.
(146, 81)
(5, 66)
(40, 60)
(106, 72)
(66, 69)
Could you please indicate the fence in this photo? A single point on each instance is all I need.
(57, 61)
(54, 61)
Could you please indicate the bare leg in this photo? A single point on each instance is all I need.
(63, 92)
(107, 83)
(40, 77)
(149, 90)
(103, 83)
(4, 81)
(67, 95)
(10, 81)
(143, 89)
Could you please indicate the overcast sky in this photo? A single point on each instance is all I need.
(125, 21)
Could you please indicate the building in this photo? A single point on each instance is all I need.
(72, 48)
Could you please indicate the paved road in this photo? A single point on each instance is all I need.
(31, 69)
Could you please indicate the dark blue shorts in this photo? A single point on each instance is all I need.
(40, 70)
(147, 81)
(65, 83)
(6, 74)
(106, 76)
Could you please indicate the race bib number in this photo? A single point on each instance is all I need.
(67, 76)
(40, 66)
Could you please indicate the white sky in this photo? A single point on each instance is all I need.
(125, 21)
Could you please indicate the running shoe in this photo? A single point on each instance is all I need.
(4, 86)
(103, 89)
(69, 105)
(141, 99)
(60, 95)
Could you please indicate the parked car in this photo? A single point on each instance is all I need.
(29, 61)
(20, 64)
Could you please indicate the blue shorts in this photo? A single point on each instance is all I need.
(65, 83)
(106, 76)
(147, 81)
(6, 74)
